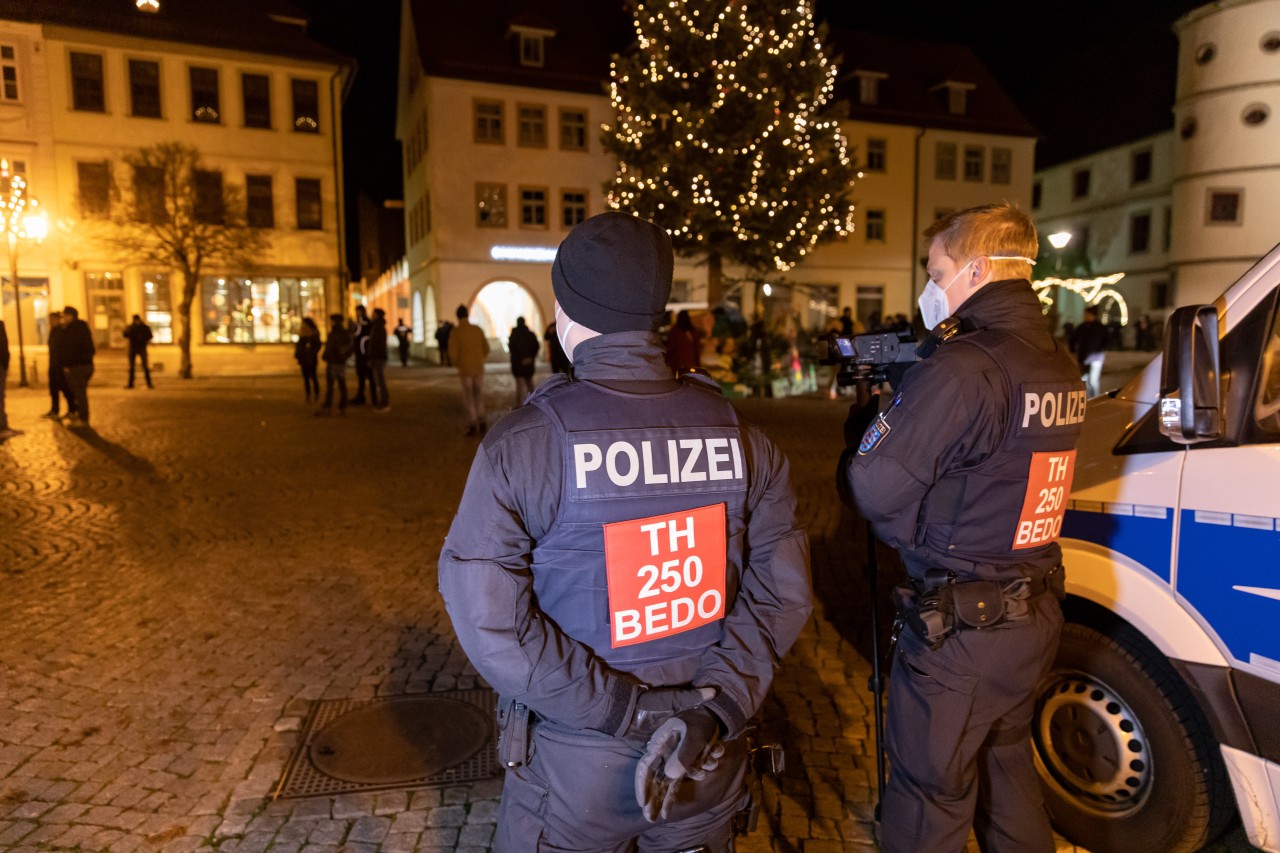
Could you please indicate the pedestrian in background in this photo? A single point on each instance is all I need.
(684, 344)
(621, 729)
(337, 349)
(468, 349)
(307, 353)
(555, 353)
(360, 340)
(376, 358)
(77, 363)
(443, 329)
(404, 335)
(1090, 346)
(57, 378)
(950, 472)
(6, 431)
(523, 345)
(139, 335)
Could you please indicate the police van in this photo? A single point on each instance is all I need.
(1160, 720)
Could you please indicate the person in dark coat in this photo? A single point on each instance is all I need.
(404, 335)
(375, 355)
(77, 363)
(337, 349)
(5, 430)
(1090, 346)
(442, 341)
(139, 335)
(307, 353)
(58, 387)
(523, 345)
(555, 353)
(360, 331)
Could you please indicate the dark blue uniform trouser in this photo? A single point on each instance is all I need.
(577, 793)
(959, 739)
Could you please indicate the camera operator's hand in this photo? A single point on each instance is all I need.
(860, 417)
(687, 746)
(657, 705)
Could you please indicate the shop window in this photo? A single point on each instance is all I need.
(306, 106)
(206, 104)
(245, 310)
(87, 91)
(157, 306)
(144, 88)
(256, 91)
(309, 209)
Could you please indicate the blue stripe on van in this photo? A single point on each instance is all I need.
(1219, 552)
(1146, 540)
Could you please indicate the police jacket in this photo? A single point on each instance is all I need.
(969, 466)
(555, 571)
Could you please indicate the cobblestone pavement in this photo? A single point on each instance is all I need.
(183, 581)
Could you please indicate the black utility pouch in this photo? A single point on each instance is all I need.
(927, 614)
(513, 733)
(978, 604)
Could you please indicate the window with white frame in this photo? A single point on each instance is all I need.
(532, 127)
(944, 168)
(1001, 165)
(974, 163)
(533, 207)
(488, 122)
(875, 226)
(8, 72)
(876, 149)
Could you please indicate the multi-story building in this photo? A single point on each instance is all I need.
(89, 82)
(500, 113)
(1182, 212)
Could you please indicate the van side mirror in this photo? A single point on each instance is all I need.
(1190, 380)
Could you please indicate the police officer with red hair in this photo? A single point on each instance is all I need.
(626, 570)
(966, 472)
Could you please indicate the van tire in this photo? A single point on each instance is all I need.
(1127, 761)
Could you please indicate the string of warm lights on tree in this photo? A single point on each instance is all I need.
(725, 131)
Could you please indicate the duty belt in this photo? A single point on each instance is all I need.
(940, 605)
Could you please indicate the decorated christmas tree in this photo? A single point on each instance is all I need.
(726, 134)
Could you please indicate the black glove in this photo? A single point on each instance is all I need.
(687, 746)
(860, 417)
(657, 705)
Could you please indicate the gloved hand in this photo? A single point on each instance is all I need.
(687, 746)
(860, 417)
(657, 705)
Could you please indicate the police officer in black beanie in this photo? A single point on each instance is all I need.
(626, 570)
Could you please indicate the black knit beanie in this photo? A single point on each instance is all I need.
(613, 274)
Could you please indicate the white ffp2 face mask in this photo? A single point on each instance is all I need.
(562, 331)
(933, 302)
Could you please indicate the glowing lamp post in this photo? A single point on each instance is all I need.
(1059, 240)
(19, 217)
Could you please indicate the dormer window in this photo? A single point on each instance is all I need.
(148, 5)
(957, 95)
(532, 46)
(869, 86)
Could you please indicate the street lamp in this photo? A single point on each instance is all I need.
(1059, 241)
(19, 217)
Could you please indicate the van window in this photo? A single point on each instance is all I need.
(1267, 409)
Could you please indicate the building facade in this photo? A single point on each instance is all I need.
(241, 83)
(1183, 212)
(500, 114)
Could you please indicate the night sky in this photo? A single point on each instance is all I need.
(1087, 73)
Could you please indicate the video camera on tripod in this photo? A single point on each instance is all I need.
(869, 356)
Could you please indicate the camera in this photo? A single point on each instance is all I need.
(869, 356)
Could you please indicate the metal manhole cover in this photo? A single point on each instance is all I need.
(354, 745)
(397, 741)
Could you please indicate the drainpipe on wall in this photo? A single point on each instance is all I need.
(340, 190)
(915, 221)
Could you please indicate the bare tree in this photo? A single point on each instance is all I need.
(174, 213)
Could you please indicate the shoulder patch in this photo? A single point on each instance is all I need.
(874, 435)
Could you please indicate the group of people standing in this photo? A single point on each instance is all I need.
(71, 353)
(365, 338)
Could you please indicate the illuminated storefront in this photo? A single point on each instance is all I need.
(263, 310)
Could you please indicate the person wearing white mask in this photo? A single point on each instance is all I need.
(624, 701)
(953, 473)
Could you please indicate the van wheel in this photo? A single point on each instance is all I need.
(1126, 759)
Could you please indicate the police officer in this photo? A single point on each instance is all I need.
(626, 570)
(966, 472)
